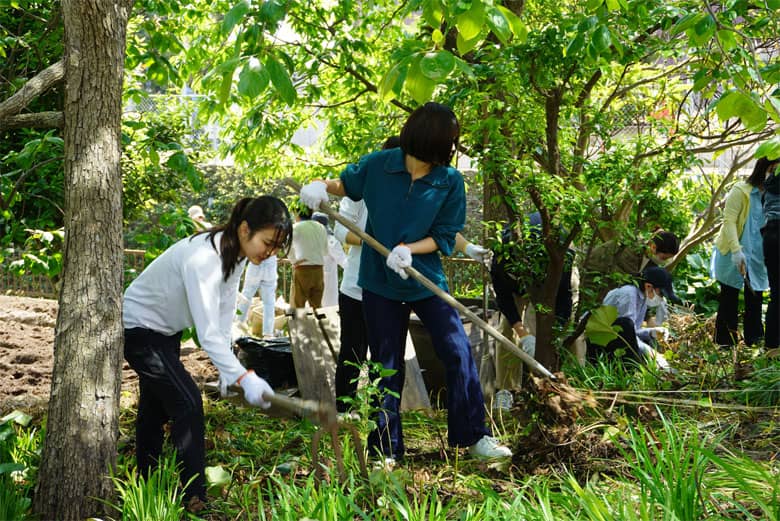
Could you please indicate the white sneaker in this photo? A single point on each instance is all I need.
(388, 463)
(503, 400)
(350, 416)
(488, 447)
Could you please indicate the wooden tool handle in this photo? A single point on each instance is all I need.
(422, 279)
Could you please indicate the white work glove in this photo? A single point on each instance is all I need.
(528, 344)
(256, 390)
(400, 258)
(313, 194)
(660, 333)
(739, 260)
(478, 253)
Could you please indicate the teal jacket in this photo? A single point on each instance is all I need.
(400, 210)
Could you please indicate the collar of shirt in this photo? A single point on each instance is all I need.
(396, 164)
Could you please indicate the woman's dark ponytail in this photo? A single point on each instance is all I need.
(258, 212)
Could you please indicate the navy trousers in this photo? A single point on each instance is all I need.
(388, 322)
(167, 393)
(354, 348)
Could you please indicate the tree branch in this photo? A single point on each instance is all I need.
(34, 87)
(52, 119)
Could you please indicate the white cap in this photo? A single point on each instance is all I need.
(196, 212)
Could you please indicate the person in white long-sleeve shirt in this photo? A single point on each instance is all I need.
(263, 276)
(195, 283)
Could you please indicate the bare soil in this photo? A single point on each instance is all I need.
(27, 356)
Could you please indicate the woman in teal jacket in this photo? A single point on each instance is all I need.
(416, 204)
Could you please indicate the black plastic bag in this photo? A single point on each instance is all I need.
(271, 359)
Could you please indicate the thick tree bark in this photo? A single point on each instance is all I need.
(80, 445)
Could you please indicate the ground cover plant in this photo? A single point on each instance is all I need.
(603, 443)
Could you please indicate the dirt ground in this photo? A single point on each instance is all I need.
(27, 356)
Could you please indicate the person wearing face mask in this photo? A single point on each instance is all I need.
(612, 263)
(632, 302)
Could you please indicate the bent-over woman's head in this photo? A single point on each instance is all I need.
(758, 176)
(431, 134)
(250, 216)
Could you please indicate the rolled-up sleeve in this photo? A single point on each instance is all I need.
(451, 217)
(353, 178)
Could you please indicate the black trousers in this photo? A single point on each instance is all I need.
(168, 393)
(771, 235)
(726, 333)
(354, 348)
(626, 341)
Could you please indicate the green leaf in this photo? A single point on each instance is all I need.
(7, 468)
(433, 13)
(217, 477)
(470, 23)
(593, 5)
(773, 4)
(465, 46)
(601, 39)
(392, 82)
(736, 104)
(499, 25)
(686, 22)
(727, 39)
(281, 81)
(516, 25)
(703, 30)
(575, 45)
(235, 15)
(769, 149)
(599, 328)
(437, 65)
(613, 5)
(253, 79)
(17, 417)
(419, 86)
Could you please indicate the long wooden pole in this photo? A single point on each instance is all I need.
(422, 279)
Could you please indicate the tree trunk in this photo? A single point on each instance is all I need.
(545, 296)
(80, 446)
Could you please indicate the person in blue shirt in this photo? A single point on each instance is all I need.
(416, 204)
(770, 233)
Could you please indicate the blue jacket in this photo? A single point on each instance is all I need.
(400, 210)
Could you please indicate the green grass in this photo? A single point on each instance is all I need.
(673, 451)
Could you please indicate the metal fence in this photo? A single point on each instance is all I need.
(465, 277)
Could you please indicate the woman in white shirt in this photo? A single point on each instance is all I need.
(195, 283)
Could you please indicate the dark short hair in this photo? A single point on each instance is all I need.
(666, 242)
(758, 176)
(391, 142)
(431, 134)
